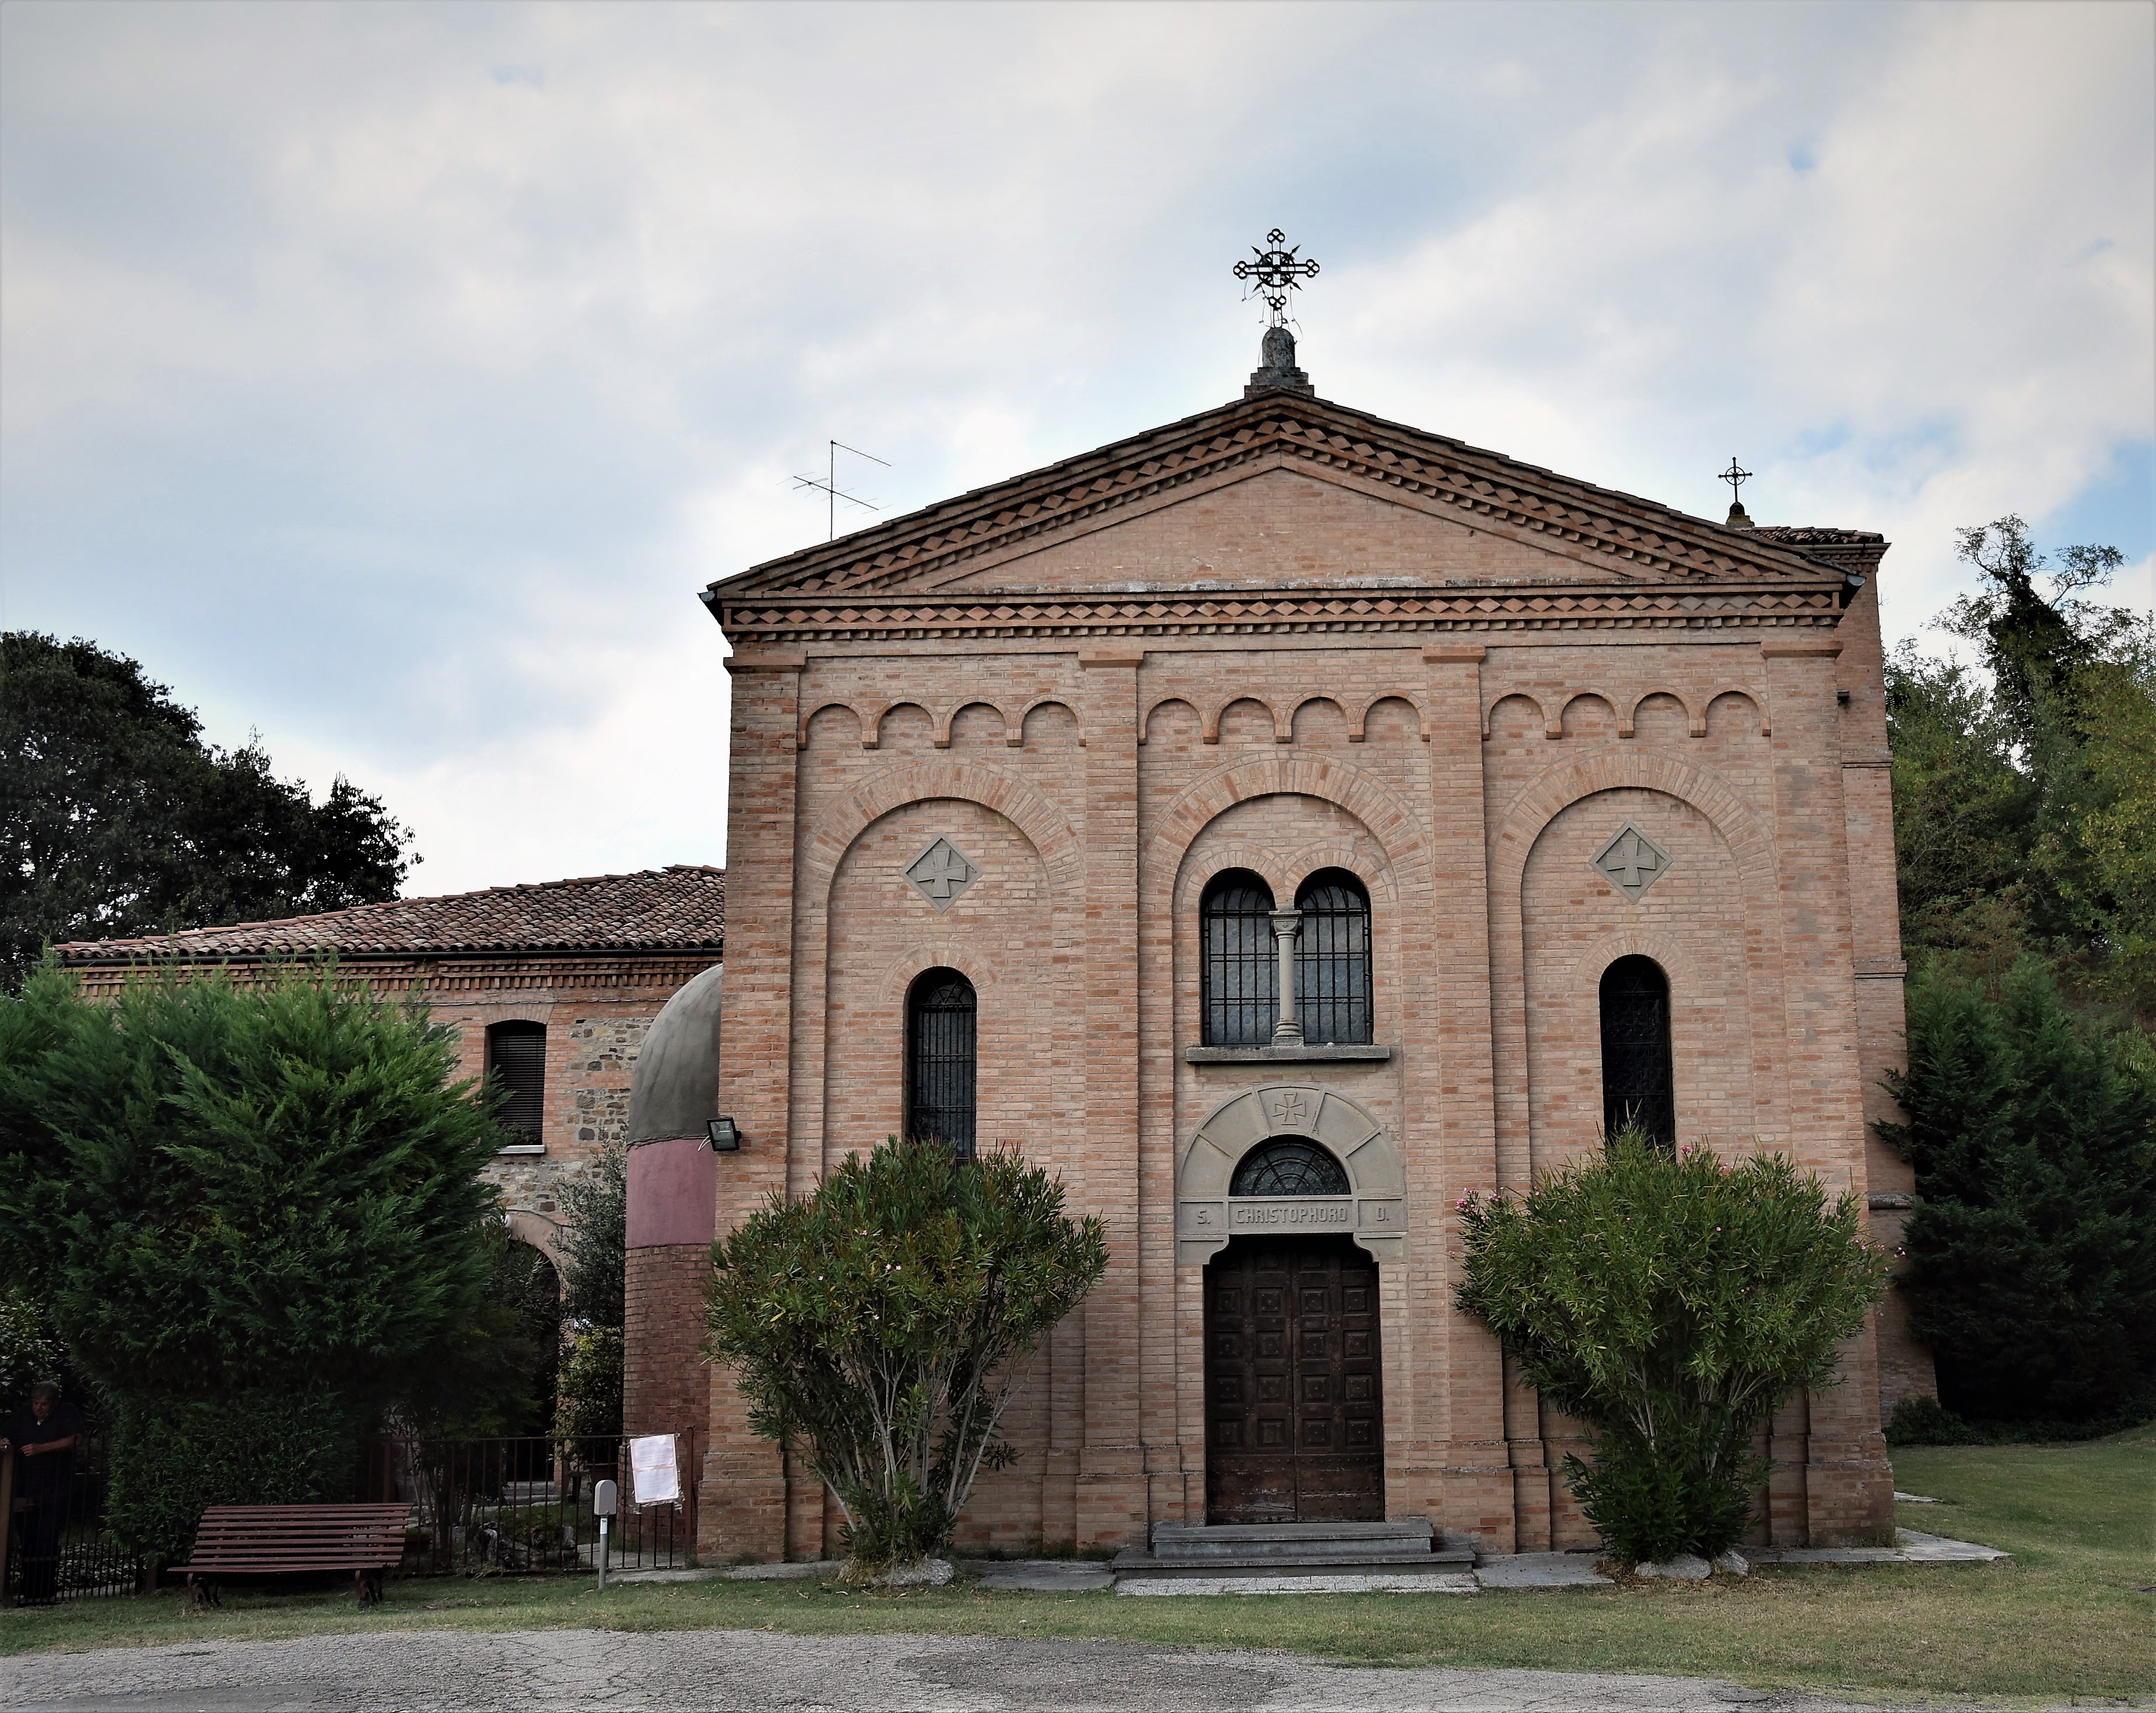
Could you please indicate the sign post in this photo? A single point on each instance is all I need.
(605, 1501)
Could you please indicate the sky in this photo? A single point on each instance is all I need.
(387, 379)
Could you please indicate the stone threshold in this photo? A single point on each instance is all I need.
(1285, 1055)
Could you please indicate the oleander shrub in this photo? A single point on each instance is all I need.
(1670, 1301)
(880, 1327)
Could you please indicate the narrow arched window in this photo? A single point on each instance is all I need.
(516, 1060)
(1240, 969)
(1638, 1086)
(1333, 960)
(939, 1060)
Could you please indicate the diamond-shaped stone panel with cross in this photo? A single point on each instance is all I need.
(1631, 862)
(942, 874)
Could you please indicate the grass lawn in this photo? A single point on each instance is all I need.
(2066, 1616)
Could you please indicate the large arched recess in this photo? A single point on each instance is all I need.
(828, 832)
(1395, 824)
(1525, 820)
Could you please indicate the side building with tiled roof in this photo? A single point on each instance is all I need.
(553, 986)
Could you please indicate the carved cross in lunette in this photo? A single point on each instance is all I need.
(942, 869)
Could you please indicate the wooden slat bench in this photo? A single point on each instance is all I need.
(270, 1540)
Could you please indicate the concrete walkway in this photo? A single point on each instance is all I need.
(725, 1671)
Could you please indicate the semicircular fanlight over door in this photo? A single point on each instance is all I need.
(1289, 1166)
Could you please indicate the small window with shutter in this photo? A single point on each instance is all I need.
(516, 1060)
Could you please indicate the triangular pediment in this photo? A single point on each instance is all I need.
(1278, 524)
(1271, 495)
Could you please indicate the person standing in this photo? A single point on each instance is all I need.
(42, 1438)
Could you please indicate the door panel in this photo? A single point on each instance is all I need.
(1293, 1395)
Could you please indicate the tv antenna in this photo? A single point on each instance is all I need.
(829, 487)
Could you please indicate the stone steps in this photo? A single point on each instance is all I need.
(1181, 1549)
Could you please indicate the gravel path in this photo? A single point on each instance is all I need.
(732, 1671)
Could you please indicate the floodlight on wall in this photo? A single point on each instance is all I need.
(725, 1135)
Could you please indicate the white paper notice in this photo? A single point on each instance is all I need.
(651, 1462)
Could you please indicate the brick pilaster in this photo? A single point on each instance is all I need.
(1465, 1369)
(1111, 1500)
(1848, 1484)
(744, 1510)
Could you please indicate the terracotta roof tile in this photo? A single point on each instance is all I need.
(1805, 535)
(679, 908)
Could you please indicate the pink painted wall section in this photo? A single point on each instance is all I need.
(673, 1188)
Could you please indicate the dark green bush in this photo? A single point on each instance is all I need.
(1924, 1420)
(590, 1406)
(1670, 1303)
(256, 1214)
(2031, 1275)
(880, 1327)
(170, 1457)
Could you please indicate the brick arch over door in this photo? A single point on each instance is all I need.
(1525, 820)
(1205, 1165)
(835, 830)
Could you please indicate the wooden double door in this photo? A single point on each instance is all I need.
(1294, 1396)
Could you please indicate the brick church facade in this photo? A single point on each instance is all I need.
(1278, 825)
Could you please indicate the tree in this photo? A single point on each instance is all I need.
(595, 1213)
(881, 1325)
(262, 1216)
(2033, 643)
(1671, 1303)
(2033, 1134)
(2024, 785)
(595, 1240)
(120, 820)
(1965, 815)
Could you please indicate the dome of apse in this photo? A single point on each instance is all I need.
(675, 1089)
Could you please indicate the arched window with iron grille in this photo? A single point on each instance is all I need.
(1289, 1166)
(1638, 1083)
(1332, 960)
(516, 1058)
(940, 1016)
(1239, 968)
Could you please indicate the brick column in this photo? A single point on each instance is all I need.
(1848, 1486)
(744, 1500)
(1479, 1493)
(1111, 1505)
(1867, 786)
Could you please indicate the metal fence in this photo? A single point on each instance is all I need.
(57, 1547)
(479, 1507)
(525, 1505)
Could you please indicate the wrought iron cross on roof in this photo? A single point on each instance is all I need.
(1276, 272)
(1736, 479)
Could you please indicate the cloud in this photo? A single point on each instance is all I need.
(388, 377)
